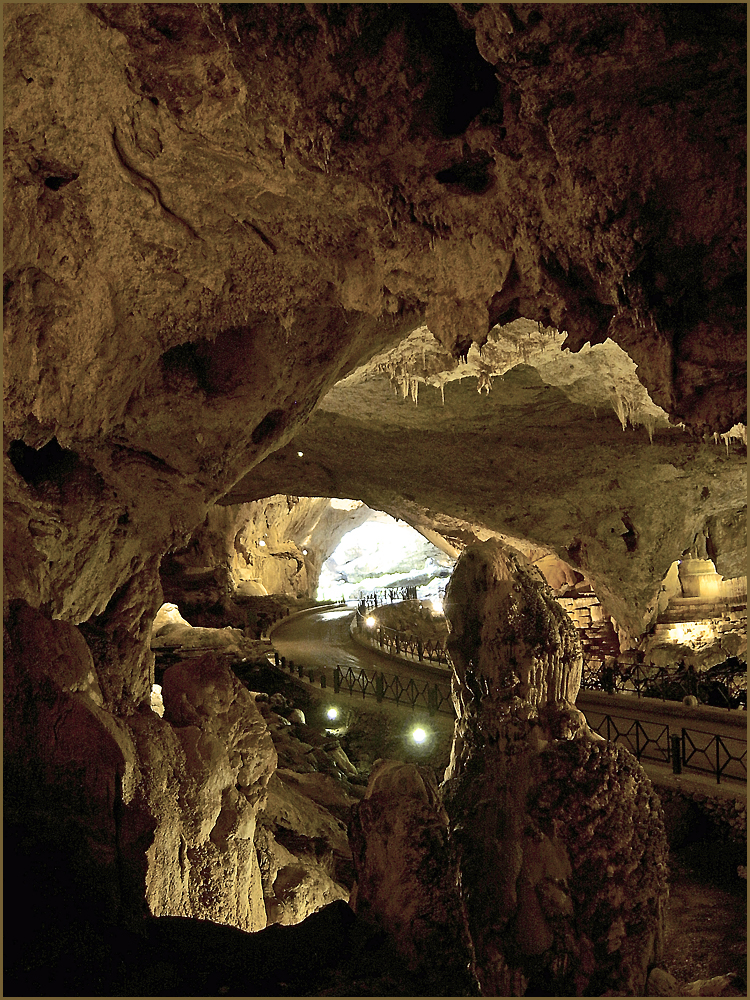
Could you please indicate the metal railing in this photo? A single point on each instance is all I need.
(724, 686)
(435, 697)
(424, 694)
(391, 640)
(715, 752)
(696, 749)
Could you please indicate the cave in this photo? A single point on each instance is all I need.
(270, 271)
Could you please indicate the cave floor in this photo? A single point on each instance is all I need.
(707, 912)
(707, 915)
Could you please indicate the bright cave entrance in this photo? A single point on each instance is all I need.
(384, 554)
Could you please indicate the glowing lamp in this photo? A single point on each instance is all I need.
(332, 713)
(419, 735)
(261, 543)
(369, 622)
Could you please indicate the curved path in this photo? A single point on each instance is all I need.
(321, 640)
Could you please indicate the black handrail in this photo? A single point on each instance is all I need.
(433, 697)
(711, 755)
(402, 643)
(649, 741)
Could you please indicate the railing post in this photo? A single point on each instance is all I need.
(336, 679)
(323, 680)
(718, 770)
(676, 757)
(379, 686)
(275, 658)
(432, 694)
(283, 663)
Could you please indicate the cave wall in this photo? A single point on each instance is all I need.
(272, 546)
(215, 212)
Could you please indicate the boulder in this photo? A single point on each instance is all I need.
(661, 984)
(294, 885)
(407, 878)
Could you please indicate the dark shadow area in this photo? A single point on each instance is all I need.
(50, 463)
(462, 83)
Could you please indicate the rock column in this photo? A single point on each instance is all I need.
(540, 863)
(558, 835)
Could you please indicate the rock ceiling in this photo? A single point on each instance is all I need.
(215, 213)
(565, 451)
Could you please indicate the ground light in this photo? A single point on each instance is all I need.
(419, 735)
(332, 714)
(369, 622)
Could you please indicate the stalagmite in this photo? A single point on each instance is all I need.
(542, 860)
(559, 835)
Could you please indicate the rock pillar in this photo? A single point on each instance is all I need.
(558, 835)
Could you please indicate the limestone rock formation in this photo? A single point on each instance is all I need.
(274, 546)
(308, 873)
(221, 759)
(542, 859)
(215, 213)
(559, 835)
(407, 876)
(140, 812)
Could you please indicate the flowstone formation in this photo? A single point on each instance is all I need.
(559, 835)
(539, 866)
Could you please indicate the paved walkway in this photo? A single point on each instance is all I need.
(321, 640)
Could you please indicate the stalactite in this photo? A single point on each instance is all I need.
(618, 405)
(649, 421)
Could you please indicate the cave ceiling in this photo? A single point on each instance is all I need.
(565, 451)
(215, 213)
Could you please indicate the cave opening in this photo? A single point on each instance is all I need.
(383, 553)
